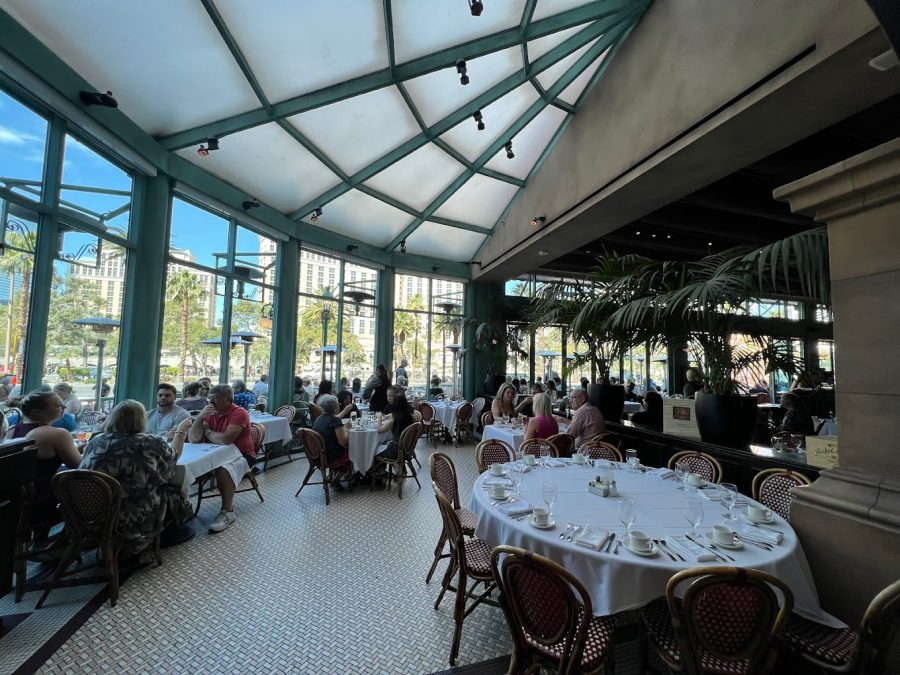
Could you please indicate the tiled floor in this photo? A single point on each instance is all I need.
(293, 586)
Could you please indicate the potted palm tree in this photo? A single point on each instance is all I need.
(702, 303)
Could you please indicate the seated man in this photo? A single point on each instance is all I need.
(587, 421)
(166, 416)
(243, 397)
(223, 422)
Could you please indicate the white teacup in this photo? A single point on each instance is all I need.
(640, 541)
(530, 460)
(498, 491)
(694, 479)
(758, 512)
(722, 534)
(496, 469)
(578, 458)
(541, 516)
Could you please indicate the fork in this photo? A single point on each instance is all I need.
(574, 532)
(662, 547)
(565, 532)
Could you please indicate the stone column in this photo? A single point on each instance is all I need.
(849, 519)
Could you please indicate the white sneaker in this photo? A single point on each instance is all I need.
(222, 521)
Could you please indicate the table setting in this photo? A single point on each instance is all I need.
(365, 439)
(277, 428)
(624, 546)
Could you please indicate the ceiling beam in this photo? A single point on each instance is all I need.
(446, 58)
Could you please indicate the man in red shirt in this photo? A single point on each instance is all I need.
(223, 422)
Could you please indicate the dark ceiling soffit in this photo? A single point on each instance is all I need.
(888, 14)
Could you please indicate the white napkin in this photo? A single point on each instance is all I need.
(516, 508)
(748, 531)
(661, 472)
(592, 537)
(689, 549)
(496, 480)
(717, 497)
(555, 462)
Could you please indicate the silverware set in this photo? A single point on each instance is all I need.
(674, 555)
(712, 548)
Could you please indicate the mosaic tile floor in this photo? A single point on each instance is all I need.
(293, 586)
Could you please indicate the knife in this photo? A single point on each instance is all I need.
(704, 546)
(609, 544)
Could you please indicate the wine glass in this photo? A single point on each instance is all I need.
(729, 493)
(545, 454)
(549, 492)
(352, 419)
(679, 474)
(516, 476)
(505, 419)
(631, 458)
(693, 511)
(627, 514)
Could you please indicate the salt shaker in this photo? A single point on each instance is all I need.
(613, 490)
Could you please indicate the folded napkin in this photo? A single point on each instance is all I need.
(496, 480)
(717, 497)
(661, 472)
(592, 537)
(691, 551)
(555, 462)
(516, 508)
(751, 533)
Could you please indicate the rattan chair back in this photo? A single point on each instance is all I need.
(443, 474)
(258, 434)
(89, 502)
(597, 449)
(408, 439)
(487, 419)
(492, 451)
(698, 462)
(533, 446)
(287, 412)
(314, 445)
(772, 487)
(427, 412)
(477, 408)
(564, 443)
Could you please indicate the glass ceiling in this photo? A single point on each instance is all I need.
(354, 107)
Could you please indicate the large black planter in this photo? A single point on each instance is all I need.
(609, 398)
(726, 420)
(492, 384)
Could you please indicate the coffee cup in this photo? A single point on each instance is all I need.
(578, 458)
(694, 479)
(496, 469)
(758, 512)
(541, 516)
(722, 534)
(640, 541)
(530, 460)
(498, 491)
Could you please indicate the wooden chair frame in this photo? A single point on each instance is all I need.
(314, 445)
(494, 444)
(763, 477)
(463, 426)
(440, 459)
(715, 466)
(487, 418)
(408, 439)
(564, 443)
(533, 447)
(597, 449)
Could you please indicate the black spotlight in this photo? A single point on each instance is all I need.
(509, 152)
(461, 69)
(435, 268)
(212, 144)
(250, 204)
(538, 220)
(476, 7)
(351, 248)
(96, 98)
(479, 118)
(403, 246)
(314, 218)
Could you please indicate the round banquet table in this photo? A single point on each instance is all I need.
(514, 434)
(618, 582)
(445, 413)
(277, 428)
(363, 446)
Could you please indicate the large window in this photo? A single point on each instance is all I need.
(20, 227)
(23, 141)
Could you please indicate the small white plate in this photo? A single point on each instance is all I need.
(736, 545)
(770, 519)
(497, 475)
(550, 523)
(506, 495)
(653, 550)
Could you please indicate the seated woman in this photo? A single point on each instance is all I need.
(356, 387)
(543, 424)
(326, 388)
(503, 402)
(331, 428)
(69, 399)
(401, 417)
(435, 390)
(651, 416)
(796, 420)
(192, 400)
(552, 392)
(144, 465)
(345, 403)
(54, 448)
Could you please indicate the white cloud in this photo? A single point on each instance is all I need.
(12, 137)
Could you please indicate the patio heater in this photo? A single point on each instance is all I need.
(665, 371)
(454, 349)
(448, 307)
(235, 341)
(248, 336)
(101, 328)
(327, 314)
(327, 351)
(548, 362)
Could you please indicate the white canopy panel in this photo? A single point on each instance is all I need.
(547, 8)
(418, 178)
(571, 93)
(438, 241)
(528, 144)
(549, 77)
(357, 215)
(480, 201)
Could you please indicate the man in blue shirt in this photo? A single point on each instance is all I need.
(243, 398)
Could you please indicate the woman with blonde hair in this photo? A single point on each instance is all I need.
(543, 424)
(144, 465)
(503, 403)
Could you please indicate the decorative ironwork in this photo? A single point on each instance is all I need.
(16, 226)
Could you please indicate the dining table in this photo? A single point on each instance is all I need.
(365, 440)
(631, 407)
(617, 578)
(277, 428)
(513, 433)
(200, 458)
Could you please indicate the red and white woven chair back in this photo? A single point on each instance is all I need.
(427, 412)
(477, 407)
(258, 434)
(492, 451)
(89, 503)
(600, 450)
(533, 446)
(774, 490)
(564, 443)
(443, 472)
(700, 463)
(487, 418)
(463, 414)
(313, 445)
(287, 412)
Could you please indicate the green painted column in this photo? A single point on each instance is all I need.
(484, 303)
(145, 292)
(384, 334)
(284, 325)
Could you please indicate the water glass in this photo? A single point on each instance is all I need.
(516, 476)
(505, 419)
(352, 419)
(545, 454)
(549, 492)
(632, 458)
(679, 474)
(627, 513)
(729, 493)
(693, 511)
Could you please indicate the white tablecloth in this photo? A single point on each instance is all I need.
(277, 428)
(512, 435)
(363, 445)
(632, 407)
(829, 428)
(200, 458)
(445, 413)
(626, 581)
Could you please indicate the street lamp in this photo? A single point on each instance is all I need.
(248, 336)
(326, 315)
(235, 341)
(101, 328)
(448, 307)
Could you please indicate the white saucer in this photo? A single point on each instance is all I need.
(735, 545)
(550, 523)
(497, 475)
(770, 519)
(653, 550)
(506, 495)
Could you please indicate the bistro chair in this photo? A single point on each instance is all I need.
(93, 417)
(487, 419)
(493, 451)
(258, 433)
(698, 462)
(463, 430)
(545, 607)
(443, 473)
(726, 621)
(408, 439)
(564, 443)
(314, 445)
(597, 449)
(431, 428)
(477, 409)
(89, 503)
(470, 559)
(772, 488)
(533, 447)
(872, 648)
(17, 471)
(288, 412)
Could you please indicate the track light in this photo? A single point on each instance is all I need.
(351, 248)
(314, 218)
(461, 69)
(509, 152)
(538, 220)
(435, 268)
(212, 144)
(478, 117)
(96, 98)
(403, 246)
(476, 7)
(250, 204)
